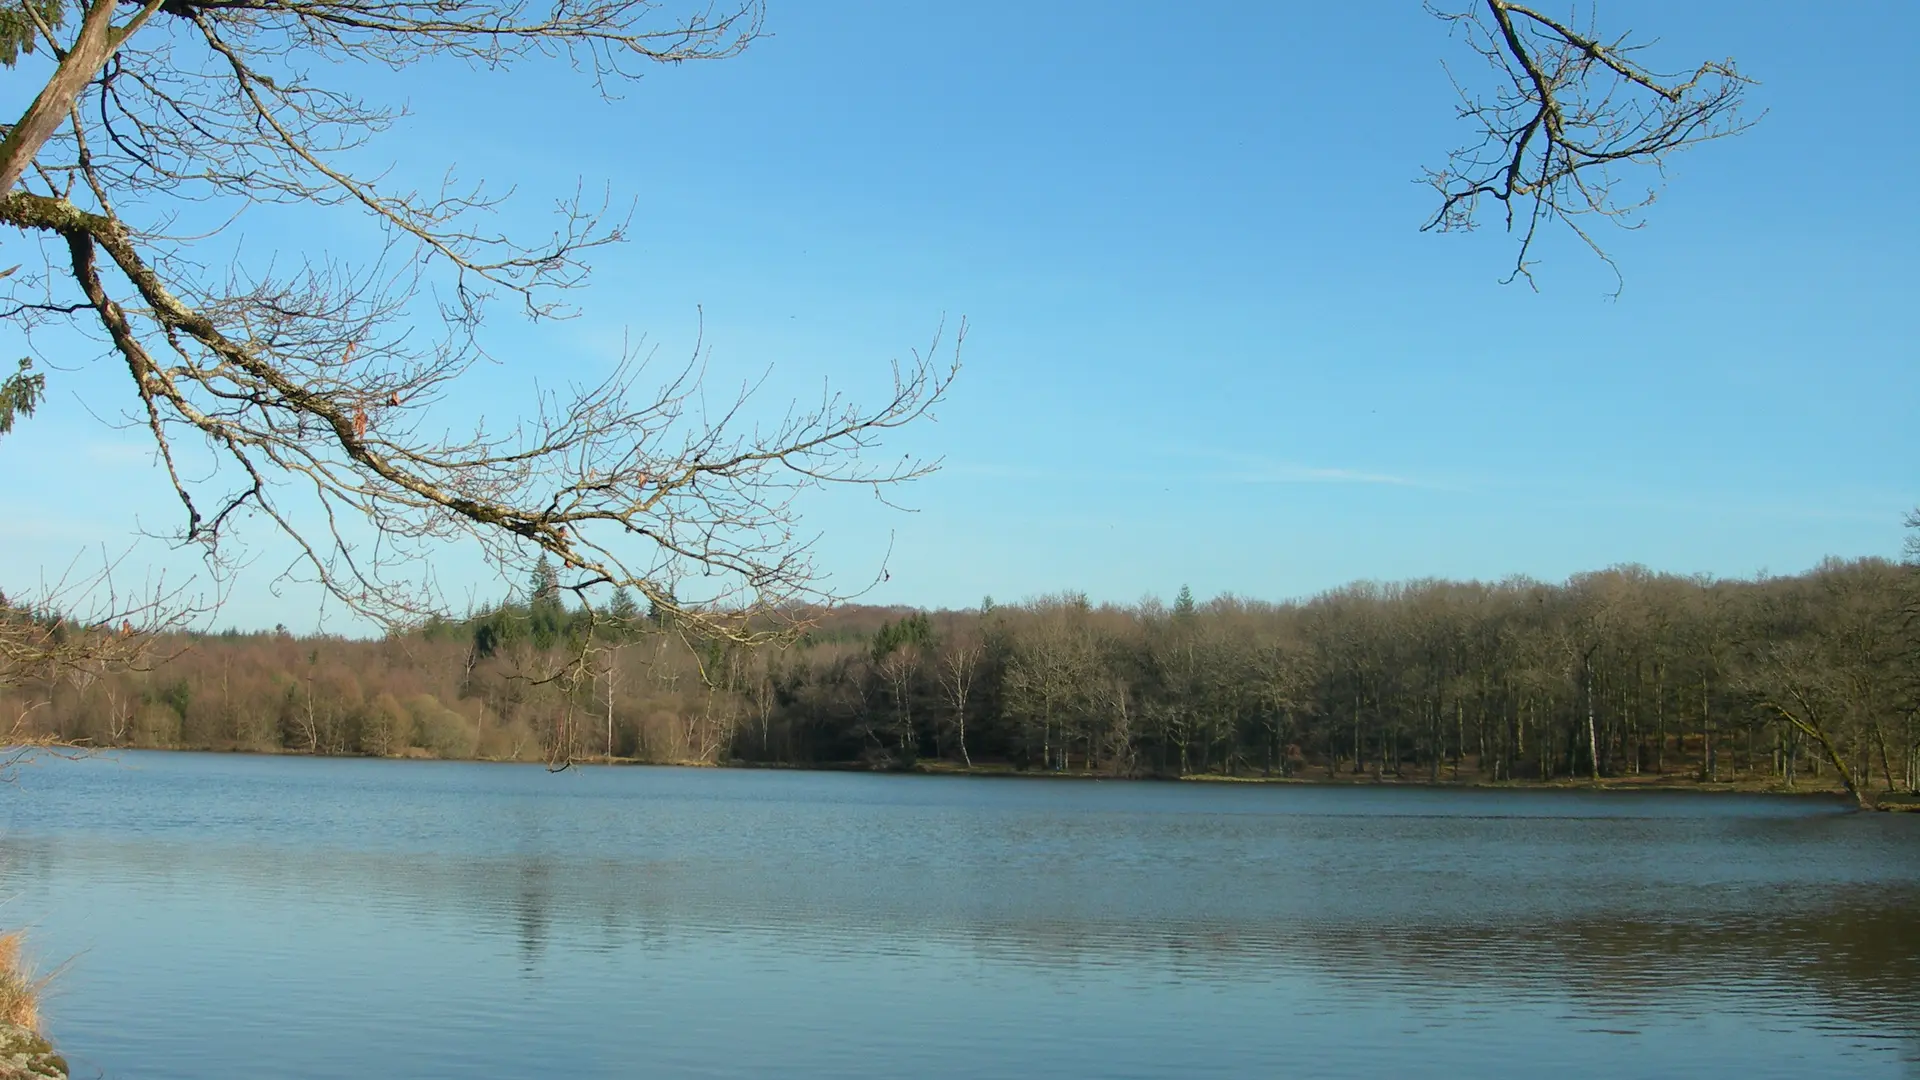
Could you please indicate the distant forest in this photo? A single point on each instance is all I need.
(1618, 673)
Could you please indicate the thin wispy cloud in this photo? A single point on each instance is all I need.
(1223, 469)
(119, 455)
(1308, 474)
(1887, 510)
(1242, 468)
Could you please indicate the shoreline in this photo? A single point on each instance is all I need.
(1669, 783)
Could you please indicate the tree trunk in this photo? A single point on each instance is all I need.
(960, 718)
(1356, 732)
(97, 41)
(1660, 719)
(1708, 767)
(1593, 743)
(1886, 767)
(1840, 766)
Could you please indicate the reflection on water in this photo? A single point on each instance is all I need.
(244, 917)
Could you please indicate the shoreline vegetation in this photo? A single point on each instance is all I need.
(1669, 783)
(25, 1054)
(1618, 678)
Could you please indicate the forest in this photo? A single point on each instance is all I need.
(1805, 680)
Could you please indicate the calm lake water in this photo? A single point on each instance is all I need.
(235, 917)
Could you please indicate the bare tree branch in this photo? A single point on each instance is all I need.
(1567, 111)
(310, 398)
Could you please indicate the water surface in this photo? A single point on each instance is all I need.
(241, 917)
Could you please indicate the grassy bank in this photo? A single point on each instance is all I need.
(25, 1053)
(19, 987)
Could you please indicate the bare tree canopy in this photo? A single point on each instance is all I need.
(1568, 112)
(305, 396)
(312, 393)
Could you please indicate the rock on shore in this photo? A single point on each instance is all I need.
(24, 1055)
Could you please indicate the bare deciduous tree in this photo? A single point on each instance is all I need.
(957, 670)
(43, 640)
(312, 397)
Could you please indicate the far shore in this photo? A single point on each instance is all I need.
(1315, 777)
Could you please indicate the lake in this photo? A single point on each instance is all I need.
(224, 917)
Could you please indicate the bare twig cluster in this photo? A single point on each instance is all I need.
(84, 625)
(1567, 112)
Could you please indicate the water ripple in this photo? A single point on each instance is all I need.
(242, 917)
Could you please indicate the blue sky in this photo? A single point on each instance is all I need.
(1208, 343)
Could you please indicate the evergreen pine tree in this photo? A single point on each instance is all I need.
(544, 585)
(546, 615)
(20, 394)
(623, 609)
(1183, 604)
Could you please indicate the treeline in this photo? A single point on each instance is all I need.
(1624, 672)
